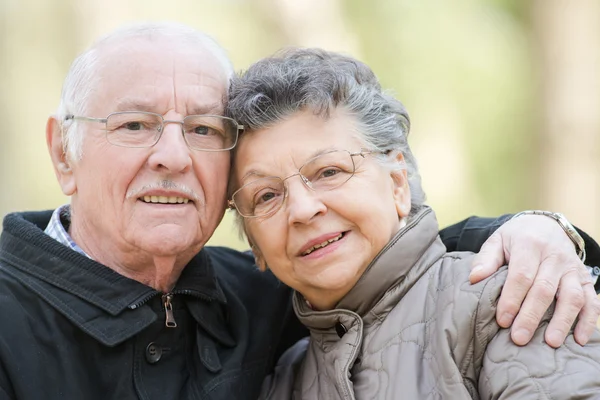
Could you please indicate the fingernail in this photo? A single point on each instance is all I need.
(506, 319)
(521, 336)
(554, 337)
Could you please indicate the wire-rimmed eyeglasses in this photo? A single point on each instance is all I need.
(264, 196)
(144, 129)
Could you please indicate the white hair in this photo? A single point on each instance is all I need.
(82, 79)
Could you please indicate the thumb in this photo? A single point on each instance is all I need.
(489, 258)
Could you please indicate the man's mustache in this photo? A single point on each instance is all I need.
(165, 184)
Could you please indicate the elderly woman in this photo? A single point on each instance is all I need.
(330, 198)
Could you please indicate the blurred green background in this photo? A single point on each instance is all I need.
(504, 95)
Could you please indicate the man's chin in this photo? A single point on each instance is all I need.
(167, 241)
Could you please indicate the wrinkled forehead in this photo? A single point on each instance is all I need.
(293, 141)
(158, 75)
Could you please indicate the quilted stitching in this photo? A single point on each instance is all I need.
(433, 335)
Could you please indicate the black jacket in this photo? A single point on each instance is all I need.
(71, 328)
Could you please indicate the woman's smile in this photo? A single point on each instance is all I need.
(323, 245)
(321, 241)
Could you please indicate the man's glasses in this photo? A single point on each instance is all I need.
(265, 196)
(144, 129)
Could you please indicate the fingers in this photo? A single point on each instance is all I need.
(569, 303)
(488, 260)
(541, 260)
(522, 271)
(588, 316)
(539, 298)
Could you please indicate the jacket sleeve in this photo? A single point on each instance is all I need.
(471, 233)
(536, 370)
(281, 383)
(6, 389)
(4, 384)
(4, 395)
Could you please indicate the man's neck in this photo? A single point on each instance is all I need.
(160, 272)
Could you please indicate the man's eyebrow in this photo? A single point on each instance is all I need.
(142, 105)
(134, 105)
(206, 109)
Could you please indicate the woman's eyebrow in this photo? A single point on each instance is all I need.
(253, 172)
(259, 174)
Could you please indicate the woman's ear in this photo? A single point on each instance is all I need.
(259, 260)
(401, 189)
(58, 154)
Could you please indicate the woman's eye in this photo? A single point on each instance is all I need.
(266, 197)
(328, 173)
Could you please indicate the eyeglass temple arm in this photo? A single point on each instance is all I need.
(364, 152)
(69, 117)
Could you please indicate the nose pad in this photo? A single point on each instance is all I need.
(304, 204)
(178, 132)
(171, 152)
(307, 182)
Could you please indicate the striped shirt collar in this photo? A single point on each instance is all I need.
(58, 228)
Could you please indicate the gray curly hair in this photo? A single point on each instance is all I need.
(295, 79)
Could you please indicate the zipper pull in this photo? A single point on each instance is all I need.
(170, 319)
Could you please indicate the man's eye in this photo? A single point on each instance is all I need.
(201, 130)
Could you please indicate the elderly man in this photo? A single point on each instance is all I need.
(115, 296)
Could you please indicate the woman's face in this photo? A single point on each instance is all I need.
(350, 224)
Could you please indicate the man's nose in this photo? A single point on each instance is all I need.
(171, 152)
(303, 204)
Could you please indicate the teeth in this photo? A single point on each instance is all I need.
(320, 245)
(165, 200)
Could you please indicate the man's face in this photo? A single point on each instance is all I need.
(112, 185)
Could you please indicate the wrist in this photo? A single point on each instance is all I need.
(566, 226)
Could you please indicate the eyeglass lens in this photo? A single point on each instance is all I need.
(266, 195)
(201, 132)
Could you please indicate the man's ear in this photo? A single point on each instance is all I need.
(401, 189)
(58, 154)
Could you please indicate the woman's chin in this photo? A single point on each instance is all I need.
(336, 280)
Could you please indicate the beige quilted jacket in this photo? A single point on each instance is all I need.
(414, 328)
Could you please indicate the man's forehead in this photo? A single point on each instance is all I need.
(140, 74)
(165, 53)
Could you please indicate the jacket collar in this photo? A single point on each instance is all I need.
(392, 273)
(90, 294)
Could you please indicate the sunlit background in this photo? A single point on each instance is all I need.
(504, 95)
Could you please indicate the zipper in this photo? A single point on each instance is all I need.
(195, 294)
(143, 301)
(167, 304)
(167, 300)
(170, 318)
